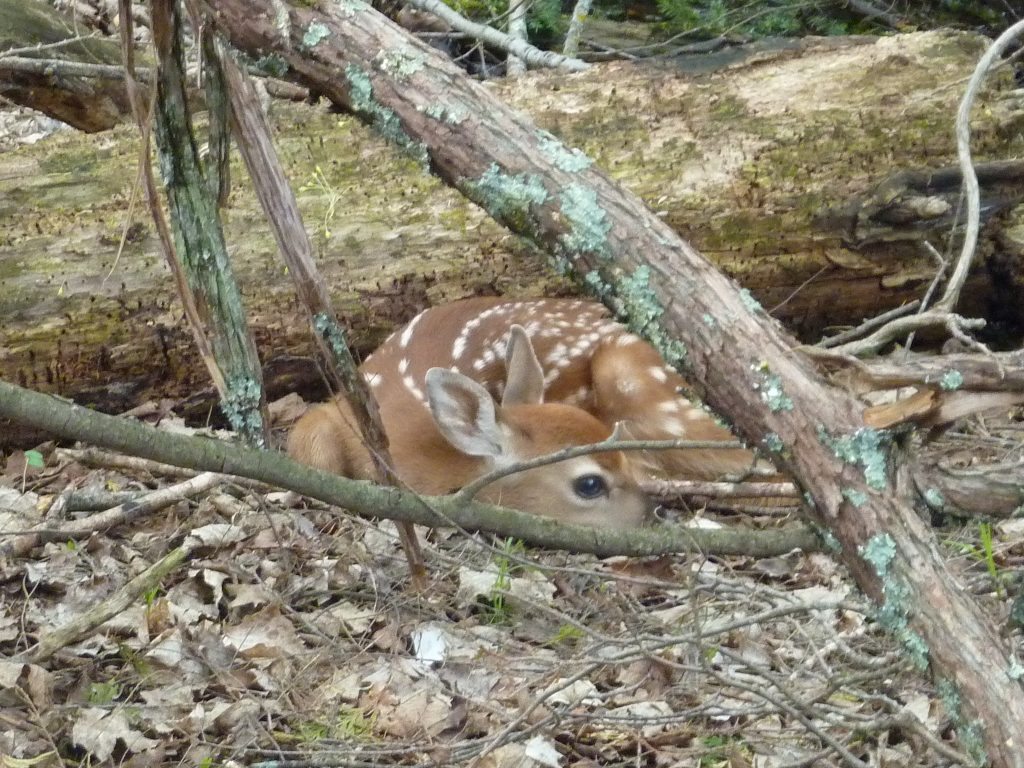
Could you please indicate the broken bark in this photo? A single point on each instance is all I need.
(542, 189)
(39, 32)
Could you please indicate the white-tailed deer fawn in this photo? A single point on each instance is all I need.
(564, 374)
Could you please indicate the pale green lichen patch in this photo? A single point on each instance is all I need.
(563, 157)
(934, 498)
(752, 304)
(316, 33)
(855, 497)
(241, 406)
(879, 552)
(332, 333)
(1016, 670)
(282, 21)
(867, 448)
(596, 283)
(400, 63)
(773, 442)
(708, 320)
(507, 197)
(770, 388)
(349, 8)
(588, 224)
(969, 733)
(951, 380)
(452, 114)
(829, 540)
(383, 119)
(639, 304)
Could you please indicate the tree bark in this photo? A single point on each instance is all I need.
(89, 104)
(776, 191)
(555, 196)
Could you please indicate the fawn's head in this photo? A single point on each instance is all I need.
(597, 489)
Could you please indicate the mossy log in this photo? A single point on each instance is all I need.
(805, 173)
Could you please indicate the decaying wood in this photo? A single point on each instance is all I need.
(763, 164)
(539, 188)
(32, 29)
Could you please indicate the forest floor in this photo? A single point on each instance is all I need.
(292, 635)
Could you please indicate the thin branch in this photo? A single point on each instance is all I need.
(970, 179)
(120, 601)
(572, 38)
(611, 444)
(955, 324)
(18, 546)
(855, 333)
(74, 422)
(533, 56)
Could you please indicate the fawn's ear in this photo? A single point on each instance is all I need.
(524, 378)
(464, 413)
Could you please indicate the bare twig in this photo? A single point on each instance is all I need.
(611, 444)
(970, 179)
(533, 57)
(119, 515)
(120, 601)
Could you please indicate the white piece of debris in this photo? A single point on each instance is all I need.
(543, 751)
(570, 694)
(430, 643)
(216, 535)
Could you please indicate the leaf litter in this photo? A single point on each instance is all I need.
(291, 636)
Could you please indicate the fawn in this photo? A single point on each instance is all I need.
(564, 374)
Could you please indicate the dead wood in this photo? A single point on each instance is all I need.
(772, 166)
(32, 29)
(541, 189)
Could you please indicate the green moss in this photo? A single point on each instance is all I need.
(773, 443)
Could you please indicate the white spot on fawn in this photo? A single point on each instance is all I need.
(626, 339)
(674, 427)
(403, 366)
(658, 373)
(410, 384)
(668, 406)
(406, 337)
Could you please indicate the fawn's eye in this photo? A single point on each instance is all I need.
(590, 486)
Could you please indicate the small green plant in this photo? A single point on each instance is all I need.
(721, 751)
(311, 732)
(985, 534)
(103, 693)
(567, 634)
(353, 723)
(150, 596)
(350, 723)
(499, 612)
(319, 182)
